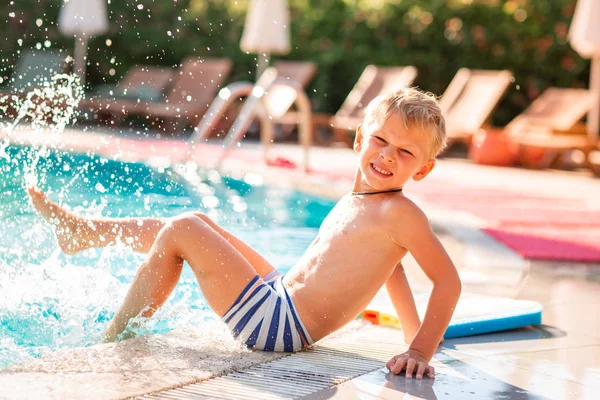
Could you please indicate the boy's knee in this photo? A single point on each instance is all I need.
(202, 216)
(184, 222)
(180, 229)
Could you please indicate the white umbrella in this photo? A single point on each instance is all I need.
(266, 30)
(82, 19)
(584, 35)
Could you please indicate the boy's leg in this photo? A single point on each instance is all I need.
(221, 270)
(76, 233)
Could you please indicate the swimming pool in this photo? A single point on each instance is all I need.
(50, 301)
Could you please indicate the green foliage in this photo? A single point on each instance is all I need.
(527, 37)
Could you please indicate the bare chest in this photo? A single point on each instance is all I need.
(348, 218)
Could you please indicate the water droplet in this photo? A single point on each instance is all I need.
(210, 201)
(169, 33)
(99, 187)
(140, 6)
(39, 22)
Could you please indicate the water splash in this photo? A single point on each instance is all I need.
(52, 105)
(49, 301)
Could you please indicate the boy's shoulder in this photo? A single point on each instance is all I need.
(400, 208)
(404, 221)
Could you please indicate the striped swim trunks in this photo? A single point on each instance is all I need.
(264, 317)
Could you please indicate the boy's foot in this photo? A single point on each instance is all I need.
(109, 335)
(68, 226)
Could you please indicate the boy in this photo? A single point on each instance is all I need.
(358, 249)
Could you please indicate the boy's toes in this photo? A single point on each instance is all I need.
(34, 191)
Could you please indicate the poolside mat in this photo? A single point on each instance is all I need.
(475, 313)
(535, 226)
(550, 243)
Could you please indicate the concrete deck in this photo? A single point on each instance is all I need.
(560, 359)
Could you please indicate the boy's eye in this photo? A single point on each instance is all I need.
(406, 151)
(380, 139)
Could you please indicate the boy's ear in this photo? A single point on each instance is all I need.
(424, 170)
(358, 138)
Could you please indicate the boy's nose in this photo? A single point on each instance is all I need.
(386, 155)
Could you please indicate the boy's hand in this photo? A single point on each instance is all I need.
(412, 362)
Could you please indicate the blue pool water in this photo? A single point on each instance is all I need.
(50, 301)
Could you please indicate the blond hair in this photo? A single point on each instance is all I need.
(419, 110)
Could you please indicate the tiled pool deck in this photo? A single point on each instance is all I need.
(559, 359)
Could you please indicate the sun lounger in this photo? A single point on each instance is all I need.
(33, 69)
(549, 127)
(470, 99)
(373, 81)
(593, 159)
(147, 83)
(143, 84)
(188, 96)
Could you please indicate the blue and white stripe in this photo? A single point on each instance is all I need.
(264, 317)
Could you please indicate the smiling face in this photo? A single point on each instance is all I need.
(390, 154)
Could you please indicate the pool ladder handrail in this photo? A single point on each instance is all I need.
(254, 106)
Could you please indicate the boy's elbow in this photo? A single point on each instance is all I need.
(458, 286)
(457, 283)
(453, 287)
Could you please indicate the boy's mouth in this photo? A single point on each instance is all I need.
(380, 171)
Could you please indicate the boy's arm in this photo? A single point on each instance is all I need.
(416, 236)
(399, 290)
(435, 262)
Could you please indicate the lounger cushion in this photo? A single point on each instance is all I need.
(143, 93)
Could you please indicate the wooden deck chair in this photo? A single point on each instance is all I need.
(470, 99)
(32, 70)
(549, 127)
(141, 82)
(593, 158)
(148, 83)
(191, 90)
(373, 81)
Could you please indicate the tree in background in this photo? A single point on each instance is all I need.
(528, 37)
